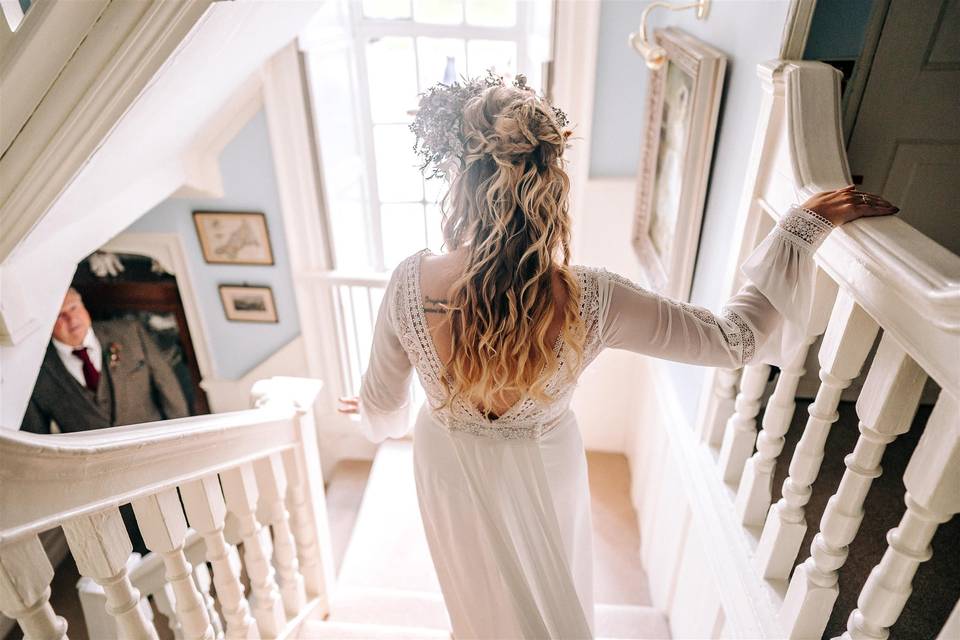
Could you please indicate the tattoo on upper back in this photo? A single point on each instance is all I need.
(434, 305)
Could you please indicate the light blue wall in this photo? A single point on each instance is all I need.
(748, 32)
(249, 185)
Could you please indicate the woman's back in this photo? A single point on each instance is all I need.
(437, 274)
(422, 334)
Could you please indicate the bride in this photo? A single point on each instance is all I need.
(498, 329)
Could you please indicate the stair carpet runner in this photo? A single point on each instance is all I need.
(387, 586)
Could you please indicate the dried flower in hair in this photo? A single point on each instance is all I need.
(437, 125)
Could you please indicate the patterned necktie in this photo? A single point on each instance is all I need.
(90, 373)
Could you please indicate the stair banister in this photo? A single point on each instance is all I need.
(875, 276)
(149, 465)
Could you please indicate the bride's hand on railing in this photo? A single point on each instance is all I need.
(843, 205)
(349, 405)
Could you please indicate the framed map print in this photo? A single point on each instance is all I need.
(233, 237)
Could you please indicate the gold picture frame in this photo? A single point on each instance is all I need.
(234, 237)
(683, 103)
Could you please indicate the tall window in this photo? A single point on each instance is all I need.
(403, 47)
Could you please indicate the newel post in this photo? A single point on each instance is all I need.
(305, 495)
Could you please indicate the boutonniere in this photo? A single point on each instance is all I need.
(114, 351)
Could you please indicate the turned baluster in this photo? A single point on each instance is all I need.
(240, 493)
(305, 494)
(206, 512)
(306, 531)
(166, 600)
(721, 407)
(846, 343)
(201, 578)
(931, 479)
(25, 575)
(272, 484)
(951, 629)
(754, 491)
(164, 530)
(741, 430)
(101, 546)
(886, 407)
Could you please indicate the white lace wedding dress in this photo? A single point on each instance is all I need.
(505, 503)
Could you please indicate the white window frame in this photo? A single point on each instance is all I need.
(364, 29)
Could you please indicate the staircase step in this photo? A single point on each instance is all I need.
(318, 629)
(620, 621)
(389, 607)
(388, 547)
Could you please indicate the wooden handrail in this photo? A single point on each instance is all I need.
(906, 281)
(46, 479)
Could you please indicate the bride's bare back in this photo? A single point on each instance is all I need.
(437, 274)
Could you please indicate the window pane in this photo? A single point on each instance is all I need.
(501, 55)
(441, 60)
(348, 220)
(434, 189)
(386, 8)
(398, 174)
(492, 13)
(403, 233)
(434, 232)
(392, 70)
(438, 11)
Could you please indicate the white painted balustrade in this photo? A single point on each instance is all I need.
(183, 478)
(886, 407)
(876, 277)
(206, 513)
(850, 334)
(754, 493)
(933, 497)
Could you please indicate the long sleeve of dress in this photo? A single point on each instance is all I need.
(765, 321)
(384, 403)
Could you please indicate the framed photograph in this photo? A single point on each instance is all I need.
(243, 303)
(233, 237)
(682, 107)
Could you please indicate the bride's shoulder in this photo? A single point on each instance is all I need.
(602, 276)
(589, 273)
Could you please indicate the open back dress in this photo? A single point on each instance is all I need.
(505, 502)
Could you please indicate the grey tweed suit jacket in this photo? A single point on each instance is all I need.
(142, 386)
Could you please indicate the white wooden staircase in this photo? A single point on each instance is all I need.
(387, 587)
(232, 508)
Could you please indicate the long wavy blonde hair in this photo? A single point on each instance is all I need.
(508, 204)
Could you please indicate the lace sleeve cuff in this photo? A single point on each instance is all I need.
(739, 334)
(805, 228)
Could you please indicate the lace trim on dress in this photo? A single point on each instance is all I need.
(742, 337)
(804, 228)
(526, 419)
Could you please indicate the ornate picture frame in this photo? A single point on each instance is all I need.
(233, 237)
(683, 104)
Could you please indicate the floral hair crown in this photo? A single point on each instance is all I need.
(440, 114)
